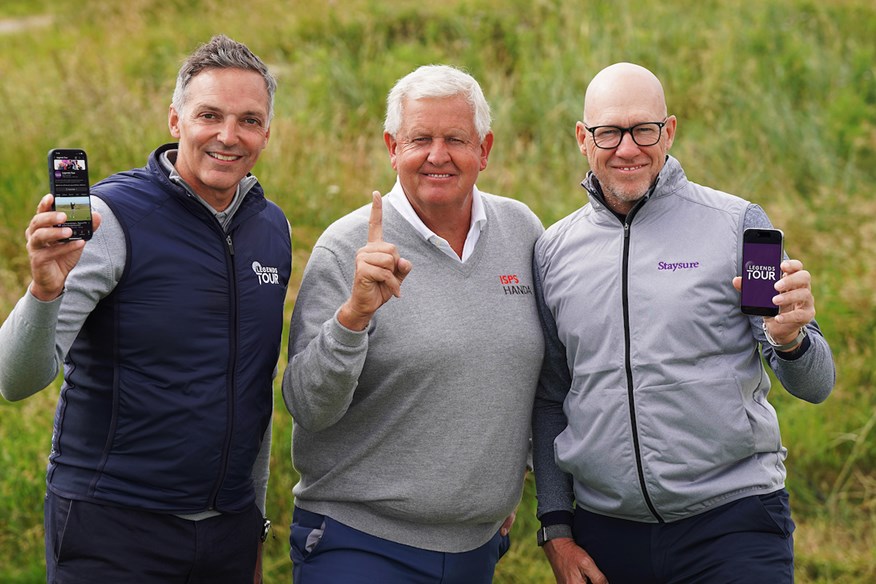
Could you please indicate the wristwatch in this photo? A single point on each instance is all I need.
(549, 532)
(787, 346)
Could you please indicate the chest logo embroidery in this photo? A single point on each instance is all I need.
(266, 274)
(511, 285)
(673, 266)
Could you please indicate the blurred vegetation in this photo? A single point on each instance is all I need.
(776, 102)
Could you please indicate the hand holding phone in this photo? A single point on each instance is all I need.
(762, 253)
(68, 183)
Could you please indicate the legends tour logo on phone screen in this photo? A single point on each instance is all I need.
(753, 271)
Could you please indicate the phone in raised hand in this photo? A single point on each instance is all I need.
(68, 183)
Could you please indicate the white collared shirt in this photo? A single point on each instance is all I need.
(397, 199)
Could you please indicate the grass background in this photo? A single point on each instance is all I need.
(776, 102)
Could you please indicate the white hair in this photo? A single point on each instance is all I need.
(431, 81)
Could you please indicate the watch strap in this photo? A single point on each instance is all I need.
(786, 346)
(548, 532)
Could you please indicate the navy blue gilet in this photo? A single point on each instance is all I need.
(168, 386)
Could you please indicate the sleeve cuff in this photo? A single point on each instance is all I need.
(796, 353)
(346, 336)
(556, 518)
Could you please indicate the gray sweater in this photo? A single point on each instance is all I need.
(417, 429)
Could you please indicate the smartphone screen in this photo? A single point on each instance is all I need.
(68, 182)
(761, 260)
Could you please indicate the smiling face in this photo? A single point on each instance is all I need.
(222, 129)
(624, 95)
(438, 155)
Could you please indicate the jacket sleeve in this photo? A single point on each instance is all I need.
(808, 373)
(553, 486)
(261, 470)
(325, 358)
(36, 336)
(28, 362)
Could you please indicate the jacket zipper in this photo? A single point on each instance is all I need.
(229, 410)
(628, 360)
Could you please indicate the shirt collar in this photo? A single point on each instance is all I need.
(400, 202)
(168, 158)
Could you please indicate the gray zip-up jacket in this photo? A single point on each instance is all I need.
(652, 404)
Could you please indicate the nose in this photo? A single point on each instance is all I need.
(627, 145)
(228, 132)
(438, 153)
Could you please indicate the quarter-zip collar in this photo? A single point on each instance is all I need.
(597, 198)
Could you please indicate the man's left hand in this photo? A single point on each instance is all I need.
(506, 525)
(794, 299)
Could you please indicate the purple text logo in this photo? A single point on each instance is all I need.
(673, 266)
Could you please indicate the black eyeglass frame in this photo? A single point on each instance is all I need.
(627, 131)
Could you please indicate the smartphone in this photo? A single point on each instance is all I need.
(68, 182)
(762, 253)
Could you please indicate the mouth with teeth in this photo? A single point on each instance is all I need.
(223, 157)
(436, 175)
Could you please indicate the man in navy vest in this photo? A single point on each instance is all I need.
(168, 326)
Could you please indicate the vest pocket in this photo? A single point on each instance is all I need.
(692, 430)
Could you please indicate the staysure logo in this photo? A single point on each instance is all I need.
(266, 274)
(511, 285)
(756, 272)
(673, 266)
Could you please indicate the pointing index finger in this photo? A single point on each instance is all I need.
(375, 222)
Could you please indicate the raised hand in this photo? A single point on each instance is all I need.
(379, 273)
(794, 299)
(50, 258)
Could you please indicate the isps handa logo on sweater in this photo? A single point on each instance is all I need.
(511, 285)
(266, 274)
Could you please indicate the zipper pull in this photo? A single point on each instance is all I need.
(230, 244)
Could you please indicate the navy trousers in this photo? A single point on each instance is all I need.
(748, 541)
(327, 552)
(88, 543)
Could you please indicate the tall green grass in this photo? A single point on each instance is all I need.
(776, 103)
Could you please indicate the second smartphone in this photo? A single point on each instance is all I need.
(762, 253)
(68, 182)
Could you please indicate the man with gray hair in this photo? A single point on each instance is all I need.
(413, 357)
(168, 324)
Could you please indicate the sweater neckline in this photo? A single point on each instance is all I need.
(398, 222)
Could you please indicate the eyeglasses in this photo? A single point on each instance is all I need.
(644, 134)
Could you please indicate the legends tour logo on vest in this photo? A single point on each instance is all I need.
(266, 274)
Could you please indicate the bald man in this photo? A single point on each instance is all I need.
(658, 458)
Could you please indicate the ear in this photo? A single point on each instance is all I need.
(669, 130)
(486, 146)
(173, 122)
(392, 147)
(581, 137)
